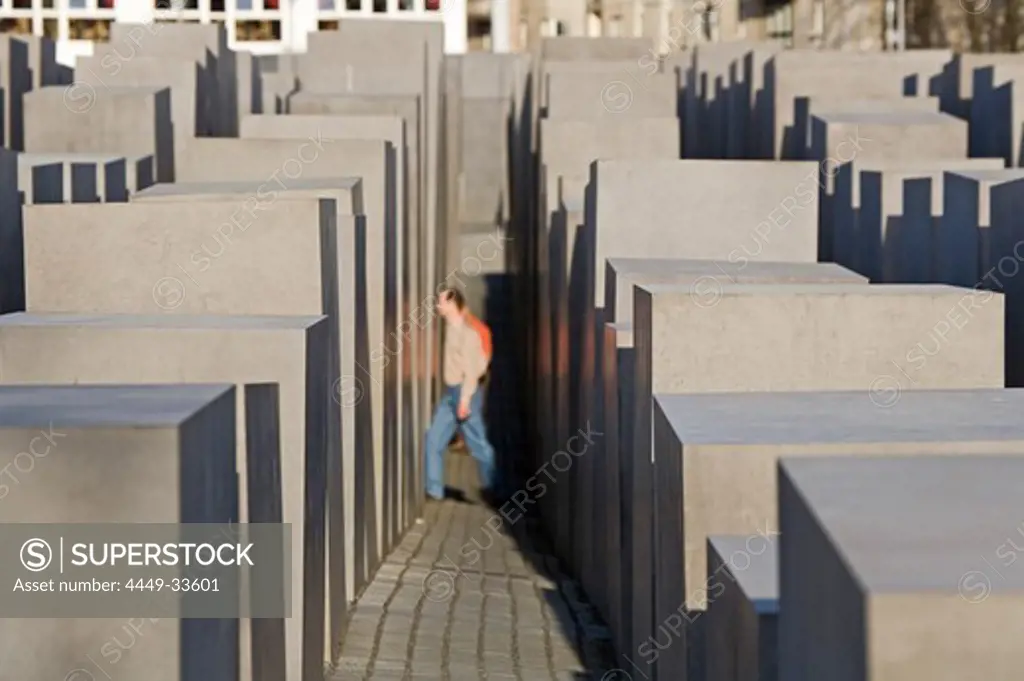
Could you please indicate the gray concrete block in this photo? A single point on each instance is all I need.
(873, 135)
(250, 84)
(42, 182)
(131, 122)
(887, 135)
(571, 48)
(904, 587)
(74, 178)
(316, 256)
(145, 349)
(276, 89)
(996, 113)
(741, 626)
(613, 522)
(627, 202)
(144, 454)
(409, 109)
(731, 445)
(568, 147)
(29, 62)
(205, 43)
(487, 74)
(706, 277)
(720, 83)
(840, 106)
(402, 278)
(978, 244)
(347, 192)
(352, 310)
(761, 211)
(483, 192)
(194, 110)
(860, 337)
(276, 163)
(12, 260)
(627, 69)
(886, 215)
(973, 232)
(360, 58)
(600, 94)
(962, 68)
(792, 75)
(566, 366)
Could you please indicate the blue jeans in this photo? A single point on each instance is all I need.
(474, 433)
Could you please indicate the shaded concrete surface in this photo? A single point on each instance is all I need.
(470, 594)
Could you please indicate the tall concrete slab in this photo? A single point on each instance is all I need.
(742, 634)
(205, 43)
(25, 68)
(355, 390)
(706, 277)
(861, 338)
(131, 121)
(996, 113)
(409, 108)
(401, 275)
(886, 215)
(645, 208)
(289, 263)
(979, 245)
(145, 349)
(574, 48)
(642, 208)
(406, 107)
(12, 258)
(278, 164)
(74, 178)
(888, 135)
(194, 110)
(136, 454)
(876, 135)
(568, 147)
(720, 84)
(905, 587)
(614, 541)
(360, 58)
(598, 94)
(958, 96)
(791, 76)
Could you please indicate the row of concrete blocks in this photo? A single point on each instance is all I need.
(617, 496)
(310, 240)
(877, 340)
(213, 84)
(150, 292)
(27, 62)
(756, 100)
(139, 454)
(841, 536)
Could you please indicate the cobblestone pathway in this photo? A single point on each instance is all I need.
(469, 596)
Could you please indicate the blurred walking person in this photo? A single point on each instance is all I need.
(467, 356)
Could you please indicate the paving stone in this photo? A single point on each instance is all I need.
(495, 624)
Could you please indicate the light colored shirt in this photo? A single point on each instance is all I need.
(464, 361)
